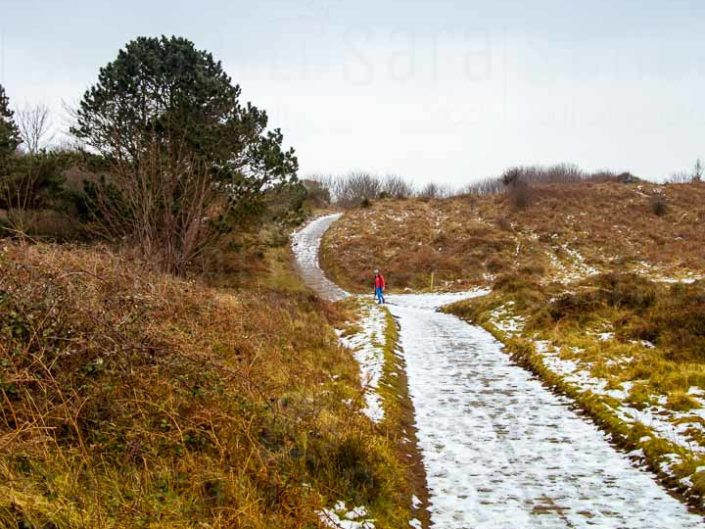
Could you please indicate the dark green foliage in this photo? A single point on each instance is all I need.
(165, 91)
(35, 181)
(186, 161)
(9, 133)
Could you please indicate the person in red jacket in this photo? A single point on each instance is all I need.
(379, 287)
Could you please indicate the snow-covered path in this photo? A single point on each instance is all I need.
(306, 244)
(500, 450)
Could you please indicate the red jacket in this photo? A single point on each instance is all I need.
(379, 281)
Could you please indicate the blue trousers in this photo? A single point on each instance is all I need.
(379, 294)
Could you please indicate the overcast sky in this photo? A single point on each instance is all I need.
(447, 90)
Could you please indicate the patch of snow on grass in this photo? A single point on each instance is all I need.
(577, 268)
(658, 418)
(368, 349)
(339, 517)
(505, 320)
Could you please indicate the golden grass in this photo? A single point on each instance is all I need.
(541, 262)
(134, 399)
(461, 240)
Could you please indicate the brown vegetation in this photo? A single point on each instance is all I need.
(567, 229)
(134, 399)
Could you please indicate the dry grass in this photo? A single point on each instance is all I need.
(463, 240)
(133, 399)
(578, 261)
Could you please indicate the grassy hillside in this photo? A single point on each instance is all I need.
(595, 287)
(134, 399)
(565, 232)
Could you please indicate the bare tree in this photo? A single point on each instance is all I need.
(35, 126)
(358, 187)
(352, 189)
(697, 171)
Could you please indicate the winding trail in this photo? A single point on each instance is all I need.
(500, 450)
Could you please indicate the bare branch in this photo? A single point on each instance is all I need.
(35, 127)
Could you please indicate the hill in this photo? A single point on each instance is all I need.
(596, 287)
(565, 231)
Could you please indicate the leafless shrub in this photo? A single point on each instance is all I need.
(681, 177)
(536, 174)
(350, 190)
(517, 188)
(354, 188)
(512, 177)
(430, 190)
(395, 186)
(486, 186)
(603, 175)
(684, 177)
(433, 190)
(357, 187)
(164, 205)
(519, 195)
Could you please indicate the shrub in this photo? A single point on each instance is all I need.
(658, 205)
(433, 190)
(519, 195)
(396, 187)
(629, 291)
(317, 195)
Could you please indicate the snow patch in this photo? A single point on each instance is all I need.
(661, 420)
(339, 517)
(505, 320)
(368, 349)
(574, 269)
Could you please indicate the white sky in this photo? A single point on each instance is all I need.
(447, 91)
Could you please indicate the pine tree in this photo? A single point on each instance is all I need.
(9, 133)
